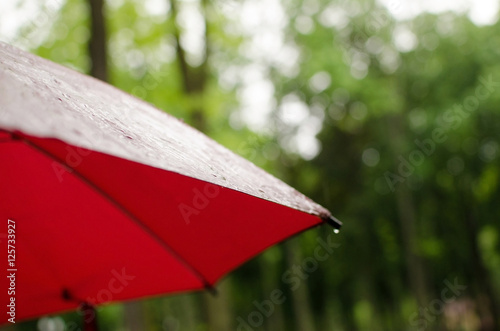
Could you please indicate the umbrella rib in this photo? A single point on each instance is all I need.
(119, 206)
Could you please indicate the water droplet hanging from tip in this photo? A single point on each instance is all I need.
(336, 231)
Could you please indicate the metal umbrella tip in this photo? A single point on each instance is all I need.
(332, 221)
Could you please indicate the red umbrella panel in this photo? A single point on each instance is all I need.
(105, 198)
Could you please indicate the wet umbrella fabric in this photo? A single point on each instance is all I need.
(114, 200)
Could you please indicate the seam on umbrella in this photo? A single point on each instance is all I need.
(6, 139)
(119, 206)
(13, 137)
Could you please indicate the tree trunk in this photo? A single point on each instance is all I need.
(488, 305)
(303, 316)
(180, 312)
(414, 264)
(407, 220)
(218, 313)
(193, 79)
(134, 316)
(188, 304)
(97, 42)
(216, 308)
(271, 281)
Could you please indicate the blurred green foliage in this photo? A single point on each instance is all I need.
(412, 219)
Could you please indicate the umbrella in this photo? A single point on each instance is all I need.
(104, 198)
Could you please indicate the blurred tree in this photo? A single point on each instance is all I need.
(98, 42)
(194, 83)
(194, 78)
(354, 92)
